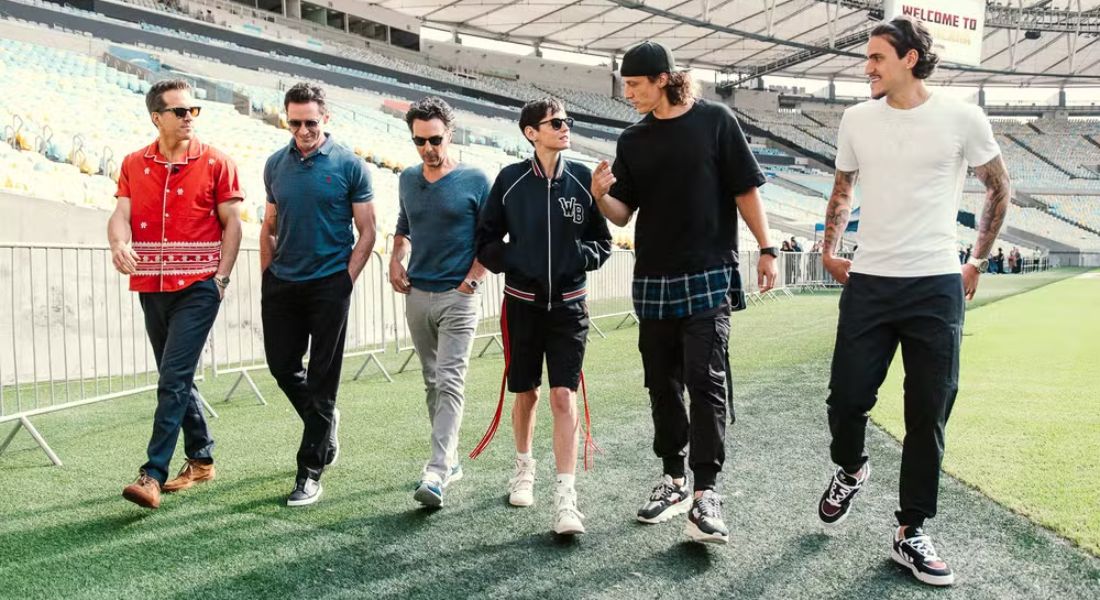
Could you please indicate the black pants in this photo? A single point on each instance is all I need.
(924, 315)
(690, 352)
(177, 324)
(312, 314)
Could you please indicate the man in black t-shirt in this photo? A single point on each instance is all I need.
(687, 169)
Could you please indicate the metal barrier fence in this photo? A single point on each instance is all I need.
(71, 332)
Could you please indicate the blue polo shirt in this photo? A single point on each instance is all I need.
(313, 195)
(440, 219)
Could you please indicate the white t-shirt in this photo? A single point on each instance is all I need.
(912, 167)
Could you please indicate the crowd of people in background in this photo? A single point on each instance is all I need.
(999, 262)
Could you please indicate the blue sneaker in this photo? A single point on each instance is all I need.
(454, 475)
(429, 492)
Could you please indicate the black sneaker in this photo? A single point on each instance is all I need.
(666, 501)
(334, 439)
(705, 520)
(837, 500)
(306, 492)
(916, 552)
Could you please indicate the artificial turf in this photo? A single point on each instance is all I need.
(66, 532)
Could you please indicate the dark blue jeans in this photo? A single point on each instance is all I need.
(177, 324)
(924, 315)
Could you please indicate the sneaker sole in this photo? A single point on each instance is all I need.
(680, 508)
(697, 535)
(307, 501)
(520, 503)
(938, 580)
(570, 530)
(840, 520)
(425, 496)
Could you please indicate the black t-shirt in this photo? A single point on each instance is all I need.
(682, 174)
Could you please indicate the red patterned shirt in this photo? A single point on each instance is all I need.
(173, 214)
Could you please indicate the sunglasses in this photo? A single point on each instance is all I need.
(435, 140)
(309, 123)
(181, 111)
(556, 123)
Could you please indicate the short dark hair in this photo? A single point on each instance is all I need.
(906, 33)
(304, 93)
(154, 98)
(536, 110)
(430, 108)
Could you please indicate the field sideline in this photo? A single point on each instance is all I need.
(65, 532)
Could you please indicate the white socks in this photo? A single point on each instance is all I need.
(524, 456)
(566, 480)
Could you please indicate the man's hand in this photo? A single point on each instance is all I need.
(766, 273)
(602, 180)
(837, 267)
(970, 280)
(399, 278)
(465, 288)
(124, 258)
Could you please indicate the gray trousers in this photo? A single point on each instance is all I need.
(442, 325)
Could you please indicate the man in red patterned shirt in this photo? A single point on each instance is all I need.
(175, 231)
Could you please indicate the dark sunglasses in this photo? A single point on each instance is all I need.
(309, 123)
(556, 123)
(181, 111)
(435, 140)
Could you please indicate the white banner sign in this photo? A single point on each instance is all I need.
(956, 25)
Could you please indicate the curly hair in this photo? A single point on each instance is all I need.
(906, 33)
(430, 108)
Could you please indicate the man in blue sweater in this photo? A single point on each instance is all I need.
(440, 200)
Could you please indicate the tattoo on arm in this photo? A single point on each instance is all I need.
(840, 207)
(998, 195)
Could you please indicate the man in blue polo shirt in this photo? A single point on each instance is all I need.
(310, 260)
(440, 200)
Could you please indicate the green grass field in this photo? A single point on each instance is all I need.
(66, 533)
(1026, 427)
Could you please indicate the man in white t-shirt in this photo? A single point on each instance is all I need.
(910, 149)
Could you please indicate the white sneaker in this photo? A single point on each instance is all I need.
(567, 519)
(521, 487)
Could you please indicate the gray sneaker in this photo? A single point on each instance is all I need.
(306, 492)
(453, 475)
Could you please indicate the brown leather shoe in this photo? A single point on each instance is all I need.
(144, 492)
(192, 472)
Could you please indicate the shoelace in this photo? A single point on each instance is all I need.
(710, 505)
(923, 545)
(839, 491)
(663, 490)
(566, 503)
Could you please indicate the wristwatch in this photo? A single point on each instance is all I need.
(222, 281)
(981, 264)
(472, 283)
(771, 251)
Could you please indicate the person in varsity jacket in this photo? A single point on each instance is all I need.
(555, 235)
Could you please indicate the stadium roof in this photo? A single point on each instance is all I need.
(1027, 42)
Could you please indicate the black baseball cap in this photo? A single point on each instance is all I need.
(647, 59)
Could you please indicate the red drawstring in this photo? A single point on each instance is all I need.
(588, 439)
(488, 437)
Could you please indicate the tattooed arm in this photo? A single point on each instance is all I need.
(998, 195)
(836, 219)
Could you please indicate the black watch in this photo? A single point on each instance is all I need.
(222, 281)
(771, 251)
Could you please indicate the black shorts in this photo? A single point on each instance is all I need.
(559, 334)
